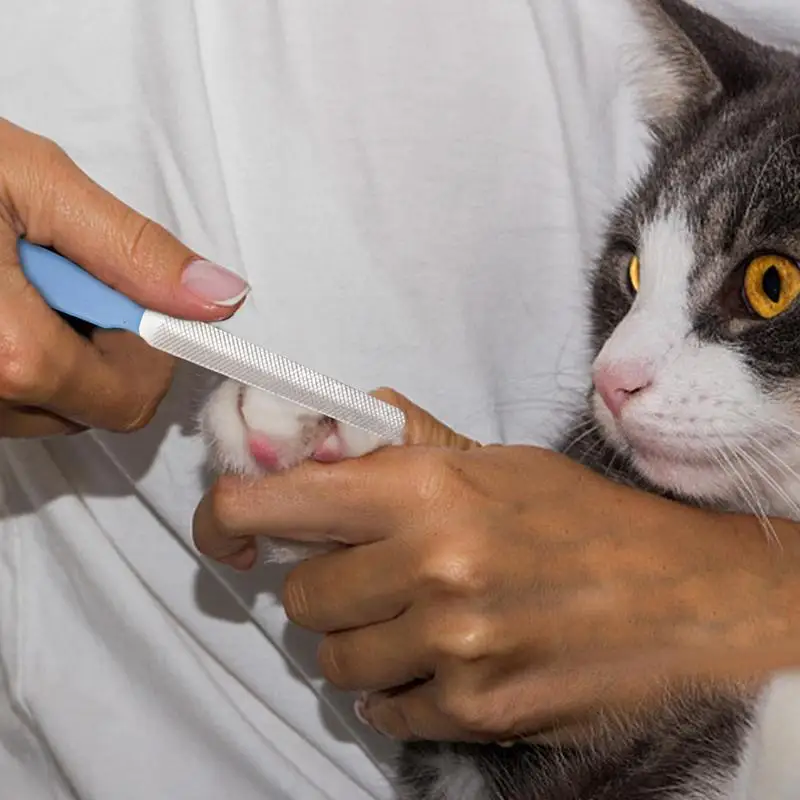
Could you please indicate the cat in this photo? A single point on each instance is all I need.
(696, 381)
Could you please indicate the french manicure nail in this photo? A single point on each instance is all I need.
(214, 283)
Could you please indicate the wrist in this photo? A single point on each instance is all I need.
(748, 615)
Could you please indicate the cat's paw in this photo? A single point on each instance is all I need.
(254, 433)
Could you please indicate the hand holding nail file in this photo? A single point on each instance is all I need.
(68, 288)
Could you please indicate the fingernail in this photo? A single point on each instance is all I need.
(359, 707)
(214, 283)
(243, 561)
(362, 712)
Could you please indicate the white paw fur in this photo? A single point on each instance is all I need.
(251, 432)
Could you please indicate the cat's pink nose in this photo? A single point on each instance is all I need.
(618, 383)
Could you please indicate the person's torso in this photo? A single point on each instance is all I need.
(413, 191)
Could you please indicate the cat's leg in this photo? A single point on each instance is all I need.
(251, 432)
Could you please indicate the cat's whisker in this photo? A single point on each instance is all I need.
(536, 404)
(727, 469)
(609, 471)
(714, 455)
(589, 454)
(747, 492)
(740, 478)
(772, 422)
(585, 429)
(747, 480)
(774, 457)
(777, 461)
(547, 404)
(764, 475)
(558, 372)
(757, 507)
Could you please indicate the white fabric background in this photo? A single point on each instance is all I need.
(414, 190)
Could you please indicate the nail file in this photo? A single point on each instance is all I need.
(68, 288)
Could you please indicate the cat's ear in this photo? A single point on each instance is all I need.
(670, 75)
(683, 59)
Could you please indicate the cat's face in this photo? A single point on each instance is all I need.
(695, 300)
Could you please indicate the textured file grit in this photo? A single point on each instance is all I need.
(219, 351)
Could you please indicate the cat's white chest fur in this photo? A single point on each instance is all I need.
(770, 766)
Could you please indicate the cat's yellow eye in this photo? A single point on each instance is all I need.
(633, 274)
(771, 284)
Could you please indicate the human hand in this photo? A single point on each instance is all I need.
(53, 380)
(509, 590)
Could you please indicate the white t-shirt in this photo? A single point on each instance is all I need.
(414, 191)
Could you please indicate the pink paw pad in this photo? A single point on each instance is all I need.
(263, 451)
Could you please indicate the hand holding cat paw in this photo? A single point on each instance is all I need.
(53, 380)
(253, 433)
(507, 590)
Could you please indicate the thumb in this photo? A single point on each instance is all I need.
(421, 427)
(57, 205)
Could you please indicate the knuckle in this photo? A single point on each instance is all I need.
(224, 502)
(41, 170)
(452, 568)
(432, 475)
(465, 640)
(389, 395)
(470, 712)
(22, 369)
(49, 163)
(295, 599)
(144, 243)
(50, 150)
(137, 230)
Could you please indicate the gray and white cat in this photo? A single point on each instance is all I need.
(696, 396)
